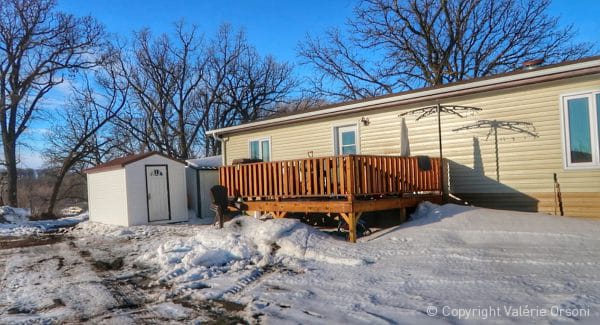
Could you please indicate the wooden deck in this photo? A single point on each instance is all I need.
(348, 185)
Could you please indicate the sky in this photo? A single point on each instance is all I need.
(273, 27)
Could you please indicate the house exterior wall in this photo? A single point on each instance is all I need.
(136, 189)
(107, 197)
(526, 163)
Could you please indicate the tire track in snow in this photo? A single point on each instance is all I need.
(131, 300)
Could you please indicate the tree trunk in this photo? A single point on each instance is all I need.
(10, 159)
(212, 148)
(208, 147)
(55, 189)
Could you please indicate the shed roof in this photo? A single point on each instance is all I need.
(124, 161)
(206, 163)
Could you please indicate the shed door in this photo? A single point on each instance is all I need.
(157, 187)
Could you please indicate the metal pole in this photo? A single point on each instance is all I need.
(497, 153)
(439, 113)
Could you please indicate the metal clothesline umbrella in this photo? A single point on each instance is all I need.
(493, 125)
(438, 109)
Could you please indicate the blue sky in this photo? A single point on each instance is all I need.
(273, 27)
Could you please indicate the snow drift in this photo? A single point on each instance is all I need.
(245, 245)
(13, 215)
(15, 222)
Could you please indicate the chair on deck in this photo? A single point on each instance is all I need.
(220, 204)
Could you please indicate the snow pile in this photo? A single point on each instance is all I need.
(71, 211)
(31, 227)
(447, 257)
(90, 228)
(13, 215)
(97, 229)
(245, 246)
(448, 260)
(170, 310)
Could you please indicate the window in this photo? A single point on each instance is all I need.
(581, 121)
(260, 149)
(346, 140)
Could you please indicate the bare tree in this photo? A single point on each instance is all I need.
(183, 86)
(397, 45)
(79, 136)
(37, 46)
(165, 76)
(241, 85)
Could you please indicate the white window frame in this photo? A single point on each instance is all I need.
(260, 140)
(594, 129)
(336, 140)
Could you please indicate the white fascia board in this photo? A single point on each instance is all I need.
(412, 95)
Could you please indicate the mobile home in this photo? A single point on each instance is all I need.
(534, 145)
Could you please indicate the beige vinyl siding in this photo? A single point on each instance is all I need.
(526, 163)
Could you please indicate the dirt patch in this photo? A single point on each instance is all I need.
(19, 310)
(44, 216)
(218, 311)
(113, 265)
(230, 305)
(29, 241)
(24, 310)
(274, 248)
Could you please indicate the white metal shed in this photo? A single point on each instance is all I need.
(137, 190)
(201, 175)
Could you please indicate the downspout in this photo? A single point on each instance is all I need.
(223, 148)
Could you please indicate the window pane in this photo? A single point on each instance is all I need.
(266, 155)
(349, 150)
(579, 130)
(254, 150)
(348, 138)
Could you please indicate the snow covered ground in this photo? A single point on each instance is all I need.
(15, 222)
(451, 264)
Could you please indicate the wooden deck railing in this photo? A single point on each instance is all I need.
(340, 176)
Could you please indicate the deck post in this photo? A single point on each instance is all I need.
(278, 214)
(352, 226)
(402, 215)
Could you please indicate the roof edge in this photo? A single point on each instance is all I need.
(111, 165)
(553, 72)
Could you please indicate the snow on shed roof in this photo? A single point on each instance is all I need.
(123, 161)
(213, 162)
